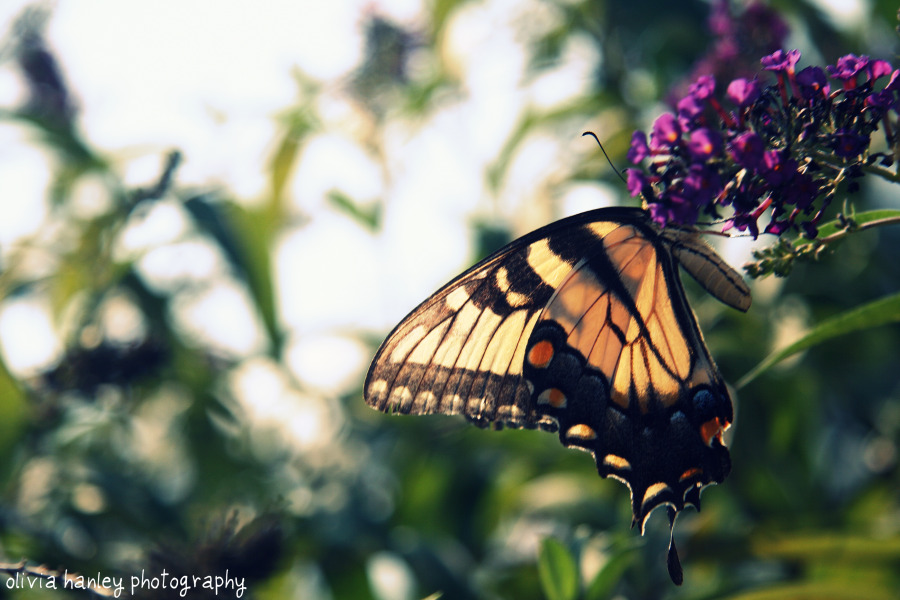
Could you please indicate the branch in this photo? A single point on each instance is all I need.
(861, 227)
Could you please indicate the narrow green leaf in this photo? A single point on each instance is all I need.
(245, 237)
(880, 312)
(282, 165)
(557, 570)
(368, 217)
(13, 411)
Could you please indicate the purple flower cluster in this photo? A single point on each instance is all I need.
(784, 145)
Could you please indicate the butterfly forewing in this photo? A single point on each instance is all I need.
(462, 350)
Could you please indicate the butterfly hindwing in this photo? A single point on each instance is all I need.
(708, 268)
(617, 360)
(581, 326)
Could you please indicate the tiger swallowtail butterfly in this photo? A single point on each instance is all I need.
(582, 328)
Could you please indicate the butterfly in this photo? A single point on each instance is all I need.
(581, 327)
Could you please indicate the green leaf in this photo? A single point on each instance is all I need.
(367, 217)
(607, 578)
(245, 237)
(14, 409)
(300, 123)
(557, 570)
(880, 312)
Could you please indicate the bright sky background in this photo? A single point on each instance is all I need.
(209, 78)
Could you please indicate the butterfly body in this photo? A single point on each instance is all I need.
(581, 327)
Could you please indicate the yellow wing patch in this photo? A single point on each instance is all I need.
(548, 265)
(628, 332)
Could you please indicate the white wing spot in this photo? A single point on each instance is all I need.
(400, 396)
(378, 389)
(426, 401)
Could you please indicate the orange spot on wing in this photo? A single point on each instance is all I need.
(690, 473)
(713, 429)
(540, 354)
(554, 397)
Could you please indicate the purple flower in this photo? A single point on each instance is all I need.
(776, 227)
(704, 143)
(701, 185)
(770, 154)
(778, 167)
(666, 132)
(743, 92)
(660, 214)
(883, 100)
(636, 181)
(684, 210)
(747, 150)
(801, 192)
(638, 150)
(703, 88)
(744, 221)
(847, 69)
(674, 208)
(849, 144)
(813, 83)
(878, 69)
(781, 61)
(689, 108)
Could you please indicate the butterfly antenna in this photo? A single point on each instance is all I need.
(602, 149)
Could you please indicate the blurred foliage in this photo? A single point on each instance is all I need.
(136, 453)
